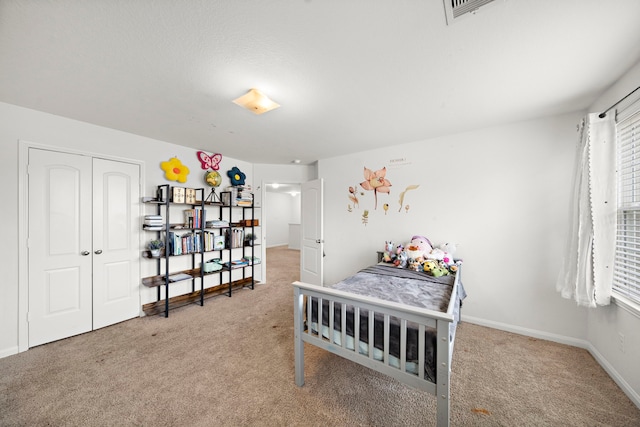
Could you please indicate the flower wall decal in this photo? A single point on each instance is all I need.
(353, 196)
(377, 182)
(236, 176)
(174, 170)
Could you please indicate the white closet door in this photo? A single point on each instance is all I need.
(60, 261)
(116, 278)
(84, 269)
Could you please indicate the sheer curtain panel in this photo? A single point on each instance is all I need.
(587, 271)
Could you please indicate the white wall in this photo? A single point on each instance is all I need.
(606, 323)
(501, 194)
(18, 123)
(283, 173)
(282, 210)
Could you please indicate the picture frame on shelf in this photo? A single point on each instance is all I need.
(178, 195)
(190, 196)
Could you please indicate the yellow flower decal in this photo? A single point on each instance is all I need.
(174, 170)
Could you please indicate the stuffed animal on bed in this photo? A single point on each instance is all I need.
(401, 260)
(422, 246)
(433, 268)
(448, 250)
(388, 255)
(436, 254)
(443, 253)
(414, 265)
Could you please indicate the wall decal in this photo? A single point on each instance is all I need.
(209, 161)
(236, 176)
(353, 196)
(365, 217)
(376, 182)
(174, 170)
(401, 198)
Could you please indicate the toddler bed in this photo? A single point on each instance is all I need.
(395, 321)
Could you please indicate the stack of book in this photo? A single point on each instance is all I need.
(153, 223)
(244, 196)
(217, 223)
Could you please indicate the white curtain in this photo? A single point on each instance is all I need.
(587, 272)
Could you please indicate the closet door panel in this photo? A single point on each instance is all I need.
(116, 279)
(60, 288)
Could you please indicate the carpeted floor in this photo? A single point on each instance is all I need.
(230, 363)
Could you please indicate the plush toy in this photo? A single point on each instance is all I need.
(401, 260)
(439, 271)
(436, 254)
(388, 255)
(443, 253)
(448, 250)
(434, 268)
(422, 246)
(414, 252)
(414, 265)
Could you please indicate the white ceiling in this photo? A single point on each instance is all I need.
(351, 75)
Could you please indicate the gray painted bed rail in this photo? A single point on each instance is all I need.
(442, 322)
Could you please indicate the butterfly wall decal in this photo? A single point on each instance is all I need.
(209, 161)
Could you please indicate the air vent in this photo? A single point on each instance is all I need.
(455, 9)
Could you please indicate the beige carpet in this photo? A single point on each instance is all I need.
(230, 363)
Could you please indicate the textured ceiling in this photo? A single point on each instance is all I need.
(350, 75)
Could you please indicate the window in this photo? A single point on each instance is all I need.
(626, 277)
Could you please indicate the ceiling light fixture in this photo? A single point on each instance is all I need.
(256, 101)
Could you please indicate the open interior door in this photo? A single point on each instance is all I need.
(312, 245)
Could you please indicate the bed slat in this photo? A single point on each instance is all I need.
(371, 346)
(403, 345)
(331, 325)
(343, 325)
(421, 331)
(356, 329)
(386, 339)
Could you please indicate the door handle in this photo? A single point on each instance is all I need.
(319, 241)
(98, 252)
(85, 253)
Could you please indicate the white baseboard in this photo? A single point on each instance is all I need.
(617, 378)
(9, 352)
(561, 339)
(528, 332)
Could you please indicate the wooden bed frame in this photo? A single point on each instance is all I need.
(444, 324)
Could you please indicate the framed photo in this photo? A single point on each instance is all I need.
(178, 195)
(190, 196)
(218, 242)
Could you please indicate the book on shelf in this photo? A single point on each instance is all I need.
(153, 227)
(194, 218)
(217, 223)
(218, 242)
(179, 276)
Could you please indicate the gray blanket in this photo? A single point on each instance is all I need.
(403, 286)
(414, 288)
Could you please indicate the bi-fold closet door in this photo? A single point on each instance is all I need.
(83, 244)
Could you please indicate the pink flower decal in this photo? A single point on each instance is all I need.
(377, 182)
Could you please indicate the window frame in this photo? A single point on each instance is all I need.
(627, 119)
